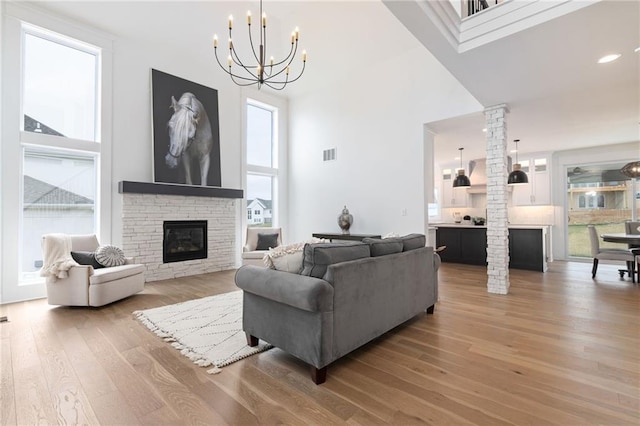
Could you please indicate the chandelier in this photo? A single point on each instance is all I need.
(258, 71)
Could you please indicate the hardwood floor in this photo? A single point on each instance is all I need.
(561, 348)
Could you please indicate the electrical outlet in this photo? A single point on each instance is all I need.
(404, 212)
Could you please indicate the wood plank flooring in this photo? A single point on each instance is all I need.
(560, 349)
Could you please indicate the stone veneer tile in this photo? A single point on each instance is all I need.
(142, 219)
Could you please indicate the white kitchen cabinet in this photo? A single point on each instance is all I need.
(538, 191)
(452, 197)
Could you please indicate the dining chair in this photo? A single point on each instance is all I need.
(623, 255)
(634, 229)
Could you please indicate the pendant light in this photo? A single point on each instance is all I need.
(517, 176)
(461, 179)
(631, 169)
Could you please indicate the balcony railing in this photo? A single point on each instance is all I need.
(475, 6)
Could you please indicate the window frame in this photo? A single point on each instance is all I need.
(17, 20)
(279, 170)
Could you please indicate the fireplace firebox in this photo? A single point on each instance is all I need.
(184, 240)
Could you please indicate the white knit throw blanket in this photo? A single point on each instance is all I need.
(57, 256)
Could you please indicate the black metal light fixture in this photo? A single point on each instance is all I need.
(272, 74)
(461, 179)
(631, 169)
(517, 176)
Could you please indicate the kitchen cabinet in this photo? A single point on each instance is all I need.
(468, 245)
(452, 197)
(538, 191)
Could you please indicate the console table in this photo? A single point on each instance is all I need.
(350, 237)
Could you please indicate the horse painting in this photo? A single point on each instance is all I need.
(190, 137)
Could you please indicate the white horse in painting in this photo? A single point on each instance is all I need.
(190, 136)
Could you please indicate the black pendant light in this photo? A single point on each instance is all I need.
(631, 169)
(461, 179)
(517, 176)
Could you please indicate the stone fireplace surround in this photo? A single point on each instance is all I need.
(145, 207)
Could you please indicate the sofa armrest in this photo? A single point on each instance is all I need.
(302, 292)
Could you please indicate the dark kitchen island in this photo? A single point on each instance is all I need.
(528, 245)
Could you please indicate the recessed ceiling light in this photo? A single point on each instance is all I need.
(513, 151)
(484, 130)
(609, 58)
(637, 49)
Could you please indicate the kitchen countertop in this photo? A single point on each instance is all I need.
(464, 225)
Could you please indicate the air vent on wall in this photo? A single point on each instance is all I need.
(329, 154)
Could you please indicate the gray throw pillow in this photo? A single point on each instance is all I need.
(413, 241)
(109, 256)
(383, 247)
(317, 257)
(267, 241)
(86, 258)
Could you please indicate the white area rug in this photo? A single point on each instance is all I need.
(207, 330)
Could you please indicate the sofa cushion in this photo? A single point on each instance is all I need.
(86, 258)
(413, 241)
(267, 241)
(318, 256)
(382, 247)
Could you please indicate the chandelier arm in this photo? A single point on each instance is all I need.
(287, 80)
(253, 79)
(253, 50)
(287, 66)
(291, 52)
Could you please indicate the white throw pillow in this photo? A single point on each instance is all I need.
(109, 256)
(288, 258)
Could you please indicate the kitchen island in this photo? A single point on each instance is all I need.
(529, 245)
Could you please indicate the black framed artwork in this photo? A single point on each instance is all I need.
(186, 132)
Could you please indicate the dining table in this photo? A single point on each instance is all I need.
(622, 238)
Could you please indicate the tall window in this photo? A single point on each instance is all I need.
(60, 141)
(262, 163)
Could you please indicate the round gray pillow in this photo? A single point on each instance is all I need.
(109, 256)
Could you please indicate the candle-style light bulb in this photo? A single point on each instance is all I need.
(230, 44)
(230, 21)
(264, 19)
(271, 61)
(287, 70)
(297, 32)
(215, 41)
(304, 56)
(229, 61)
(293, 37)
(249, 17)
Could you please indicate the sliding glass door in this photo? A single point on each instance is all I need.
(598, 194)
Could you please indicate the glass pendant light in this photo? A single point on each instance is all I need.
(517, 176)
(461, 179)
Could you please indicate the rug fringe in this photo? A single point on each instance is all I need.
(195, 357)
(214, 370)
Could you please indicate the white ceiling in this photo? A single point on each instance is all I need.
(558, 96)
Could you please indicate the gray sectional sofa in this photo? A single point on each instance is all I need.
(346, 295)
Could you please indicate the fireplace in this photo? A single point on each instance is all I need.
(184, 240)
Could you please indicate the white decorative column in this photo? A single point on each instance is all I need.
(497, 222)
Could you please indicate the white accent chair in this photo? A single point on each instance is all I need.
(623, 255)
(85, 286)
(251, 256)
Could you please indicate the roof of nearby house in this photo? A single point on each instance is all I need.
(266, 204)
(31, 125)
(39, 192)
